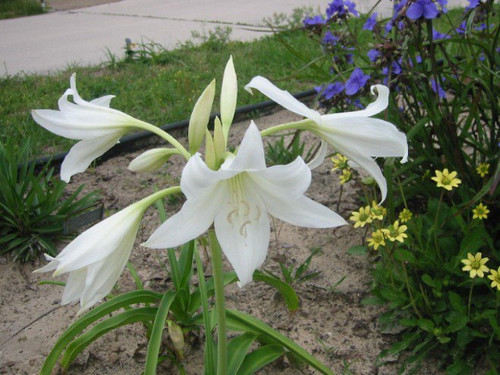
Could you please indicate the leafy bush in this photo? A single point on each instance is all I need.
(33, 206)
(18, 8)
(442, 68)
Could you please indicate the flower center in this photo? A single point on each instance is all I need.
(242, 212)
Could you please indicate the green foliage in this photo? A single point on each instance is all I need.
(445, 98)
(19, 8)
(33, 205)
(169, 82)
(278, 153)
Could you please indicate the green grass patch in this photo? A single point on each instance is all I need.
(160, 90)
(19, 8)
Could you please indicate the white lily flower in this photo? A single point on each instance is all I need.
(97, 126)
(96, 258)
(237, 199)
(353, 134)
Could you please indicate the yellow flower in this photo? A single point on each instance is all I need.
(475, 264)
(446, 180)
(377, 239)
(480, 212)
(483, 169)
(345, 176)
(339, 162)
(361, 217)
(377, 212)
(405, 215)
(495, 278)
(395, 232)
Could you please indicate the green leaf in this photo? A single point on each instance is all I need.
(116, 303)
(426, 324)
(237, 350)
(156, 333)
(237, 320)
(260, 358)
(457, 322)
(141, 314)
(429, 281)
(358, 250)
(473, 241)
(286, 290)
(404, 255)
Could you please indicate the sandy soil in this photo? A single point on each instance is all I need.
(331, 322)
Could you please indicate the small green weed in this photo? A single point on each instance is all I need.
(33, 206)
(19, 8)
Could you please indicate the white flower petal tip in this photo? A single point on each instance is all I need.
(354, 134)
(96, 258)
(237, 199)
(93, 123)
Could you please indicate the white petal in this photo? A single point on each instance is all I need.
(194, 218)
(103, 101)
(74, 125)
(243, 234)
(369, 136)
(302, 212)
(319, 157)
(290, 180)
(250, 155)
(197, 178)
(85, 152)
(116, 233)
(75, 286)
(228, 96)
(371, 109)
(282, 97)
(101, 278)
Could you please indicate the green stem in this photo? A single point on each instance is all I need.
(160, 194)
(163, 134)
(436, 244)
(220, 307)
(298, 125)
(470, 299)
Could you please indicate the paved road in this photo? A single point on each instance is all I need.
(50, 42)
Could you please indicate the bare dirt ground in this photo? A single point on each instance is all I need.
(331, 323)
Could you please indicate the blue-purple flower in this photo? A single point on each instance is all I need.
(313, 21)
(356, 81)
(340, 8)
(331, 90)
(373, 54)
(422, 8)
(473, 4)
(330, 39)
(436, 87)
(370, 22)
(436, 35)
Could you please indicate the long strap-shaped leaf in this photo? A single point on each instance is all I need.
(259, 358)
(240, 321)
(127, 317)
(116, 303)
(156, 333)
(286, 290)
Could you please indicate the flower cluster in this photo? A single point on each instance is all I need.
(233, 192)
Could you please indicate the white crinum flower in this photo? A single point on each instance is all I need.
(97, 126)
(353, 134)
(151, 160)
(237, 199)
(96, 258)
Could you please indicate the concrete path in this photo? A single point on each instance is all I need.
(50, 42)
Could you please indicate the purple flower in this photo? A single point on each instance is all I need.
(422, 8)
(436, 35)
(373, 54)
(313, 21)
(436, 87)
(461, 29)
(442, 4)
(388, 27)
(481, 27)
(356, 81)
(370, 22)
(333, 89)
(330, 39)
(472, 4)
(340, 8)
